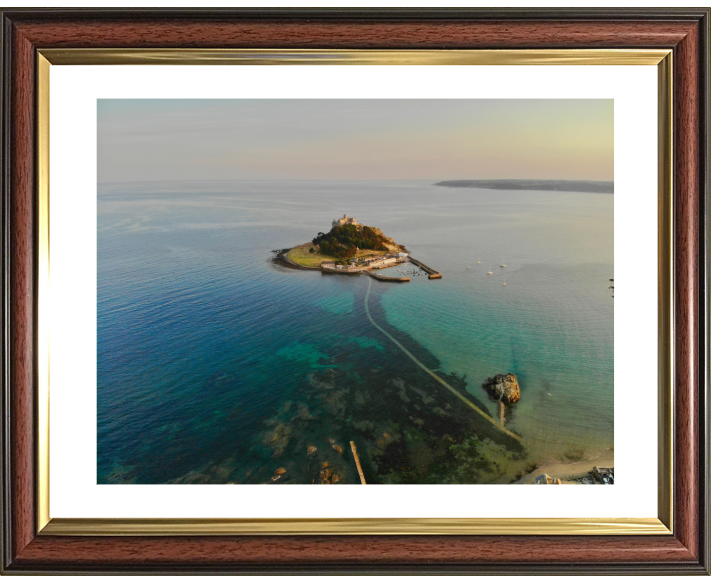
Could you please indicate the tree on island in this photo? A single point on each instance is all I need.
(344, 241)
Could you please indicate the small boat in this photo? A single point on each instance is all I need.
(468, 267)
(503, 265)
(490, 272)
(479, 261)
(505, 284)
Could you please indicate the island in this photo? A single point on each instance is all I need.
(351, 248)
(598, 187)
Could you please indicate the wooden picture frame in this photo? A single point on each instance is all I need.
(28, 548)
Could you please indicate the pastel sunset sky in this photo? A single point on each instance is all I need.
(156, 140)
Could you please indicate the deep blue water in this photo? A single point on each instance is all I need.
(216, 365)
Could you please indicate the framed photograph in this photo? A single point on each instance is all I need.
(250, 253)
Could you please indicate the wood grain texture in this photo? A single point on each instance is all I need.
(353, 550)
(687, 227)
(22, 294)
(352, 34)
(684, 552)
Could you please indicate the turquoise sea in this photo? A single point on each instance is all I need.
(217, 365)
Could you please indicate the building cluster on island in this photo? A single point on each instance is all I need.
(367, 263)
(345, 220)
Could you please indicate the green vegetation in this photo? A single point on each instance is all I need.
(341, 245)
(343, 242)
(302, 255)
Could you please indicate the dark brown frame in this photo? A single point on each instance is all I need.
(685, 31)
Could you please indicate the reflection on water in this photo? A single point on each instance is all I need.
(215, 365)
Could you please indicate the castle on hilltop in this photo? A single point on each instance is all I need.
(345, 220)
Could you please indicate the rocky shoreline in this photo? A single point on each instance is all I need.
(281, 259)
(569, 472)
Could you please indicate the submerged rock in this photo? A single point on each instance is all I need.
(276, 478)
(278, 438)
(280, 471)
(337, 448)
(325, 475)
(311, 450)
(503, 387)
(303, 412)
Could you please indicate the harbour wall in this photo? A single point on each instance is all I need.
(387, 278)
(432, 274)
(331, 271)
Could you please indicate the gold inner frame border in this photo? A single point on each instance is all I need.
(662, 525)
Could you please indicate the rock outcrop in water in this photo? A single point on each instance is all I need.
(503, 388)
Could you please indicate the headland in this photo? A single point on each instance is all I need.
(597, 187)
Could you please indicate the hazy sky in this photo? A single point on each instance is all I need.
(142, 140)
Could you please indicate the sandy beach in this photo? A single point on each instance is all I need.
(568, 470)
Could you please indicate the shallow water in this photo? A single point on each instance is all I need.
(217, 365)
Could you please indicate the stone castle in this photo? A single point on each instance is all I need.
(345, 220)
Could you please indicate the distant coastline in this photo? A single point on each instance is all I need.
(597, 187)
